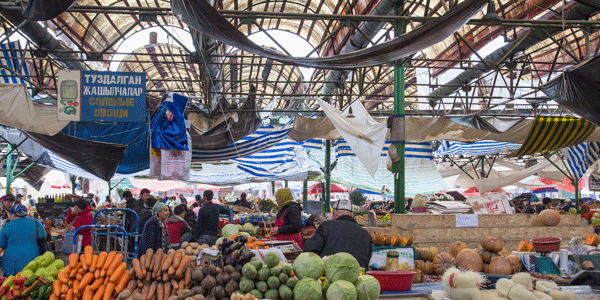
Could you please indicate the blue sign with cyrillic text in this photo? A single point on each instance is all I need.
(113, 96)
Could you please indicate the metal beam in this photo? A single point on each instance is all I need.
(42, 38)
(532, 37)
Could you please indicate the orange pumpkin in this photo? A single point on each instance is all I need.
(486, 268)
(592, 239)
(515, 262)
(492, 244)
(504, 253)
(499, 265)
(428, 268)
(378, 238)
(550, 217)
(486, 256)
(468, 259)
(457, 247)
(443, 262)
(419, 264)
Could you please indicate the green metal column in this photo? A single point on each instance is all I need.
(286, 183)
(327, 188)
(398, 168)
(576, 185)
(273, 189)
(305, 193)
(8, 167)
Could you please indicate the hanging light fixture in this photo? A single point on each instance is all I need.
(491, 18)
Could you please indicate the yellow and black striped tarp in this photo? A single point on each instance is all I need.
(553, 133)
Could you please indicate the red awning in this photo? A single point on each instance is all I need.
(316, 189)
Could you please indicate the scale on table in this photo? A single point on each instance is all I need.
(543, 262)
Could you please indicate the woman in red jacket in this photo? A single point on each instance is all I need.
(81, 215)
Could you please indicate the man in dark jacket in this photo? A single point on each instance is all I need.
(342, 234)
(143, 208)
(207, 224)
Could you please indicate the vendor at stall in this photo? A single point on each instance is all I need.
(18, 240)
(155, 234)
(288, 225)
(207, 224)
(342, 234)
(81, 215)
(7, 203)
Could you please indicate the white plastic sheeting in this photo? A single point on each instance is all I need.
(364, 135)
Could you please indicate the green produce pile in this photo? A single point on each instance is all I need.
(44, 265)
(35, 281)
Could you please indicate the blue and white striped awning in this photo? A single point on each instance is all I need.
(415, 150)
(17, 65)
(581, 157)
(59, 164)
(262, 139)
(477, 148)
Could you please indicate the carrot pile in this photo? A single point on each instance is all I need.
(92, 277)
(158, 276)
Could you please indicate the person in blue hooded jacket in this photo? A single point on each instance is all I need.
(18, 240)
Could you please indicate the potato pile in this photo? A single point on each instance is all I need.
(192, 250)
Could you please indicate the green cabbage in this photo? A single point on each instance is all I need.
(367, 287)
(248, 225)
(308, 289)
(342, 266)
(245, 234)
(308, 265)
(341, 290)
(229, 230)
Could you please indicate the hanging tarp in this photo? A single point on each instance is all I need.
(493, 124)
(57, 163)
(364, 135)
(553, 133)
(18, 111)
(133, 135)
(577, 89)
(200, 15)
(231, 130)
(43, 10)
(262, 139)
(581, 157)
(97, 158)
(34, 175)
(474, 149)
(421, 174)
(167, 128)
(294, 165)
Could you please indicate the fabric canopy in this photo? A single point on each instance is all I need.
(476, 149)
(99, 159)
(200, 15)
(581, 157)
(553, 133)
(230, 130)
(18, 111)
(43, 10)
(262, 139)
(577, 89)
(364, 135)
(494, 125)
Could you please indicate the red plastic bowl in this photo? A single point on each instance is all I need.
(394, 281)
(546, 244)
